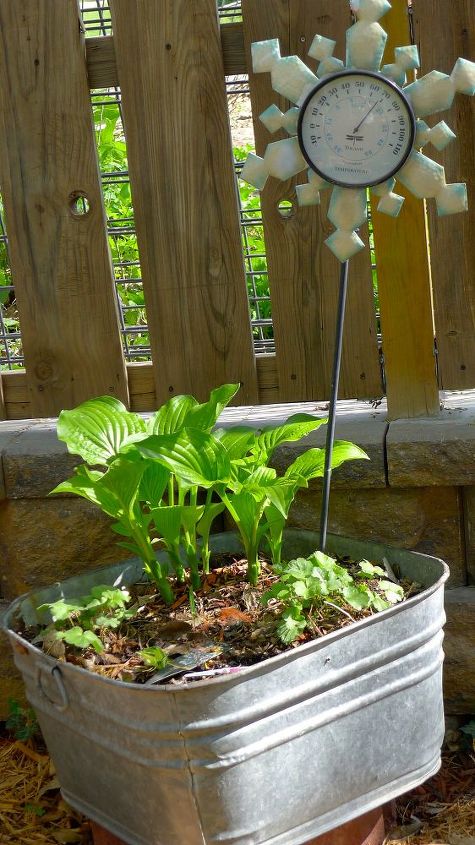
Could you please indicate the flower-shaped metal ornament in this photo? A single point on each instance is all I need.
(358, 126)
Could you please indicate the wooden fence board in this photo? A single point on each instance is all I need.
(404, 283)
(60, 261)
(452, 243)
(184, 194)
(102, 63)
(303, 273)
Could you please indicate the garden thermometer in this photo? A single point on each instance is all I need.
(356, 129)
(357, 126)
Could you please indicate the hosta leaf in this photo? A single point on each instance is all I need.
(191, 515)
(244, 510)
(261, 477)
(204, 416)
(281, 494)
(210, 513)
(311, 464)
(294, 429)
(168, 523)
(185, 412)
(98, 429)
(122, 480)
(346, 451)
(237, 440)
(194, 456)
(153, 484)
(171, 417)
(83, 483)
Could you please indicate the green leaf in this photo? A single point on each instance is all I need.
(61, 610)
(84, 483)
(356, 596)
(168, 523)
(343, 451)
(369, 569)
(281, 494)
(155, 657)
(244, 511)
(292, 625)
(295, 428)
(185, 412)
(171, 417)
(194, 456)
(110, 597)
(204, 416)
(153, 484)
(309, 465)
(82, 639)
(379, 603)
(394, 593)
(211, 511)
(237, 440)
(121, 481)
(299, 568)
(98, 429)
(302, 590)
(278, 591)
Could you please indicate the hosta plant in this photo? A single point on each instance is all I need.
(165, 480)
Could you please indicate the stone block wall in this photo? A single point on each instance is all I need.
(417, 491)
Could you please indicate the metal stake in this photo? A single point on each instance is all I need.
(327, 473)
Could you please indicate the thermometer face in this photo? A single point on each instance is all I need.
(356, 128)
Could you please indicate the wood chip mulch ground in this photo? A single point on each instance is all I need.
(32, 811)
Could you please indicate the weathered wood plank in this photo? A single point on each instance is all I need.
(404, 283)
(102, 64)
(184, 195)
(60, 259)
(303, 273)
(141, 388)
(452, 34)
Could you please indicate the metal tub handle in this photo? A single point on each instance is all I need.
(56, 674)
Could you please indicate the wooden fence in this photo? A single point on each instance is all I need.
(170, 58)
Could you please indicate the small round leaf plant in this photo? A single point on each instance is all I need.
(358, 125)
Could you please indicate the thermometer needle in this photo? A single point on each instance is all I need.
(355, 130)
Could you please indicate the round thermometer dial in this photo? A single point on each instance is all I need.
(356, 128)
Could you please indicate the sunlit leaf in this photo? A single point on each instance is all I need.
(98, 429)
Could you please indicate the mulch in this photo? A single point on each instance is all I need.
(32, 811)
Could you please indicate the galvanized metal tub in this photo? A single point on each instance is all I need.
(278, 753)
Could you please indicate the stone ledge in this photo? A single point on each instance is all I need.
(433, 451)
(422, 452)
(34, 461)
(424, 520)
